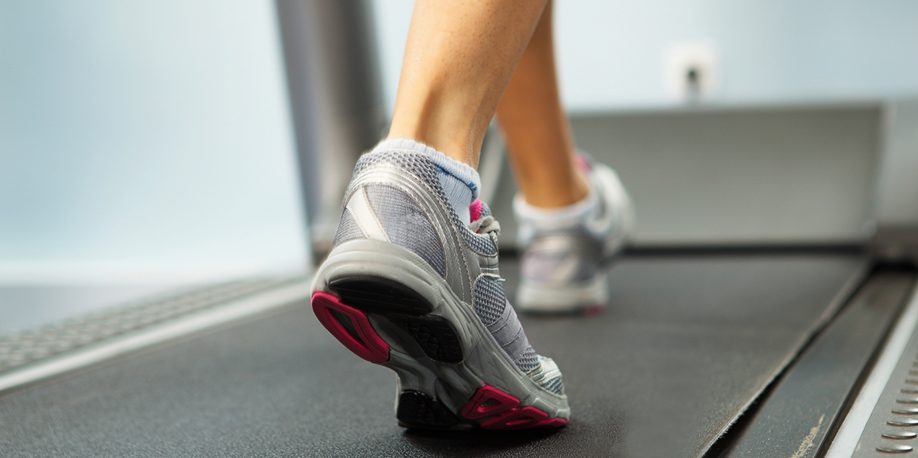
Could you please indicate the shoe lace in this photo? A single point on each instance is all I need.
(486, 225)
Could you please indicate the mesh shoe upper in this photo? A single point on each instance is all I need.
(396, 196)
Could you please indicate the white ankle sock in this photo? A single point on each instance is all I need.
(460, 182)
(531, 218)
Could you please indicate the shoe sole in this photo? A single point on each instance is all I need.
(588, 297)
(385, 307)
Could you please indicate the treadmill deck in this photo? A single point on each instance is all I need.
(687, 343)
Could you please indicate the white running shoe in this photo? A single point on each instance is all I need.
(565, 250)
(410, 287)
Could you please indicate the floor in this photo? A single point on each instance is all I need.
(686, 344)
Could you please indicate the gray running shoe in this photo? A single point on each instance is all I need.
(410, 287)
(561, 266)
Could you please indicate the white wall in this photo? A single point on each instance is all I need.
(772, 54)
(144, 141)
(612, 54)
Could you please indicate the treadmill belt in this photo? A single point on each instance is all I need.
(687, 343)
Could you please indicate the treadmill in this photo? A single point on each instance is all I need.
(750, 336)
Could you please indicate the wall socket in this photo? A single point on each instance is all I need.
(692, 70)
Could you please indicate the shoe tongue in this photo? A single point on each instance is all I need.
(475, 210)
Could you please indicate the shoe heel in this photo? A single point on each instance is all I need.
(402, 307)
(351, 327)
(379, 295)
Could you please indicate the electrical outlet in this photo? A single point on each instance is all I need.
(692, 70)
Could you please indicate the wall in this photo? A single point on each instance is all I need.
(144, 141)
(612, 55)
(771, 55)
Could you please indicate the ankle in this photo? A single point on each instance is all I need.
(556, 194)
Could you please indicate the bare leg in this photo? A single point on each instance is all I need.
(537, 131)
(458, 60)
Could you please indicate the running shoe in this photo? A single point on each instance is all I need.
(565, 250)
(410, 287)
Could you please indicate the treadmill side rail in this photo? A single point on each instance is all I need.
(805, 408)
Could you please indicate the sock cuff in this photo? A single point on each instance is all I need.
(446, 164)
(557, 218)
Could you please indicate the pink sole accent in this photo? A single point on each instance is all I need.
(366, 344)
(475, 210)
(582, 163)
(550, 423)
(488, 401)
(594, 310)
(516, 418)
